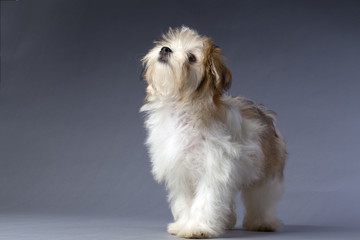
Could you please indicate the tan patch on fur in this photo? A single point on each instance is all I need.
(271, 141)
(217, 77)
(215, 67)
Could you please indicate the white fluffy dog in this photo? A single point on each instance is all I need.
(206, 145)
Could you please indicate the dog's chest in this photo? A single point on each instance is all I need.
(177, 136)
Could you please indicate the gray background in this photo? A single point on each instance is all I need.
(71, 136)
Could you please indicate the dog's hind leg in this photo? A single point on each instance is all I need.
(259, 201)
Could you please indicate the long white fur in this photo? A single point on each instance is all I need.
(203, 167)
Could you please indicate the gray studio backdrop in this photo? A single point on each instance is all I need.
(71, 136)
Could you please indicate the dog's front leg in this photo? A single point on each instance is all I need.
(180, 198)
(210, 209)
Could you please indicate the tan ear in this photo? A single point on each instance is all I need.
(215, 66)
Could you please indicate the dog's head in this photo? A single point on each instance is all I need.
(185, 65)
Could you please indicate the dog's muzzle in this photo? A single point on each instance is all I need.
(164, 54)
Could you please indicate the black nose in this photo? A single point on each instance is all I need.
(165, 51)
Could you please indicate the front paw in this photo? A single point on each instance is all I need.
(195, 232)
(175, 227)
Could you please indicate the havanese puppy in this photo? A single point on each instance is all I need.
(206, 145)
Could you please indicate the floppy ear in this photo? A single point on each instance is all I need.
(216, 68)
(142, 74)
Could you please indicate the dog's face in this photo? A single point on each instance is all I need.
(185, 65)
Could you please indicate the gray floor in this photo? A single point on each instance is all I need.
(37, 227)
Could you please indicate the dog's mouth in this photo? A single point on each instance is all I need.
(163, 59)
(164, 54)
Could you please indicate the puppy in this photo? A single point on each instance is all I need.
(206, 145)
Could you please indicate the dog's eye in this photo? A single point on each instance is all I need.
(192, 58)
